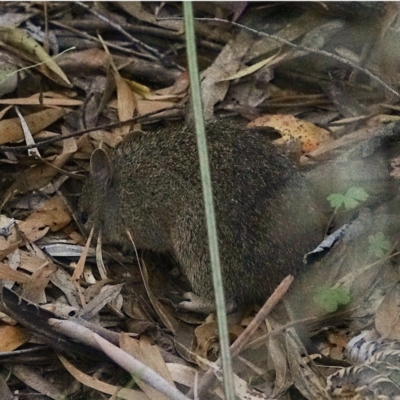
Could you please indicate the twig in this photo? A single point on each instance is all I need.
(160, 33)
(151, 50)
(311, 50)
(119, 356)
(96, 40)
(118, 124)
(304, 48)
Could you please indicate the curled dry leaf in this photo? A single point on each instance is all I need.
(310, 135)
(208, 341)
(180, 86)
(162, 311)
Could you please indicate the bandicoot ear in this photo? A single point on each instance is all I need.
(101, 170)
(132, 136)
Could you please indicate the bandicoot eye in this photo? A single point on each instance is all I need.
(84, 217)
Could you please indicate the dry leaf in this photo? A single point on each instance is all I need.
(39, 176)
(150, 355)
(387, 318)
(12, 337)
(88, 60)
(8, 274)
(30, 262)
(54, 214)
(164, 314)
(255, 67)
(208, 341)
(34, 289)
(109, 138)
(138, 88)
(8, 77)
(87, 380)
(126, 103)
(182, 374)
(35, 380)
(310, 135)
(137, 11)
(33, 229)
(11, 130)
(146, 106)
(20, 40)
(181, 85)
(81, 262)
(37, 100)
(227, 63)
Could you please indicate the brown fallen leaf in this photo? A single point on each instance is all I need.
(11, 130)
(208, 341)
(53, 214)
(9, 274)
(34, 289)
(181, 85)
(310, 135)
(127, 105)
(40, 175)
(37, 100)
(89, 381)
(146, 106)
(137, 10)
(12, 337)
(150, 355)
(29, 261)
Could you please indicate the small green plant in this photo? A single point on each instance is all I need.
(379, 245)
(331, 299)
(351, 199)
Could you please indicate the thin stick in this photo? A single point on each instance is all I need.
(118, 124)
(96, 40)
(306, 49)
(119, 356)
(151, 50)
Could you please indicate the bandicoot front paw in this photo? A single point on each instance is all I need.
(197, 304)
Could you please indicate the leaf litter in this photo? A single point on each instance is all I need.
(122, 60)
